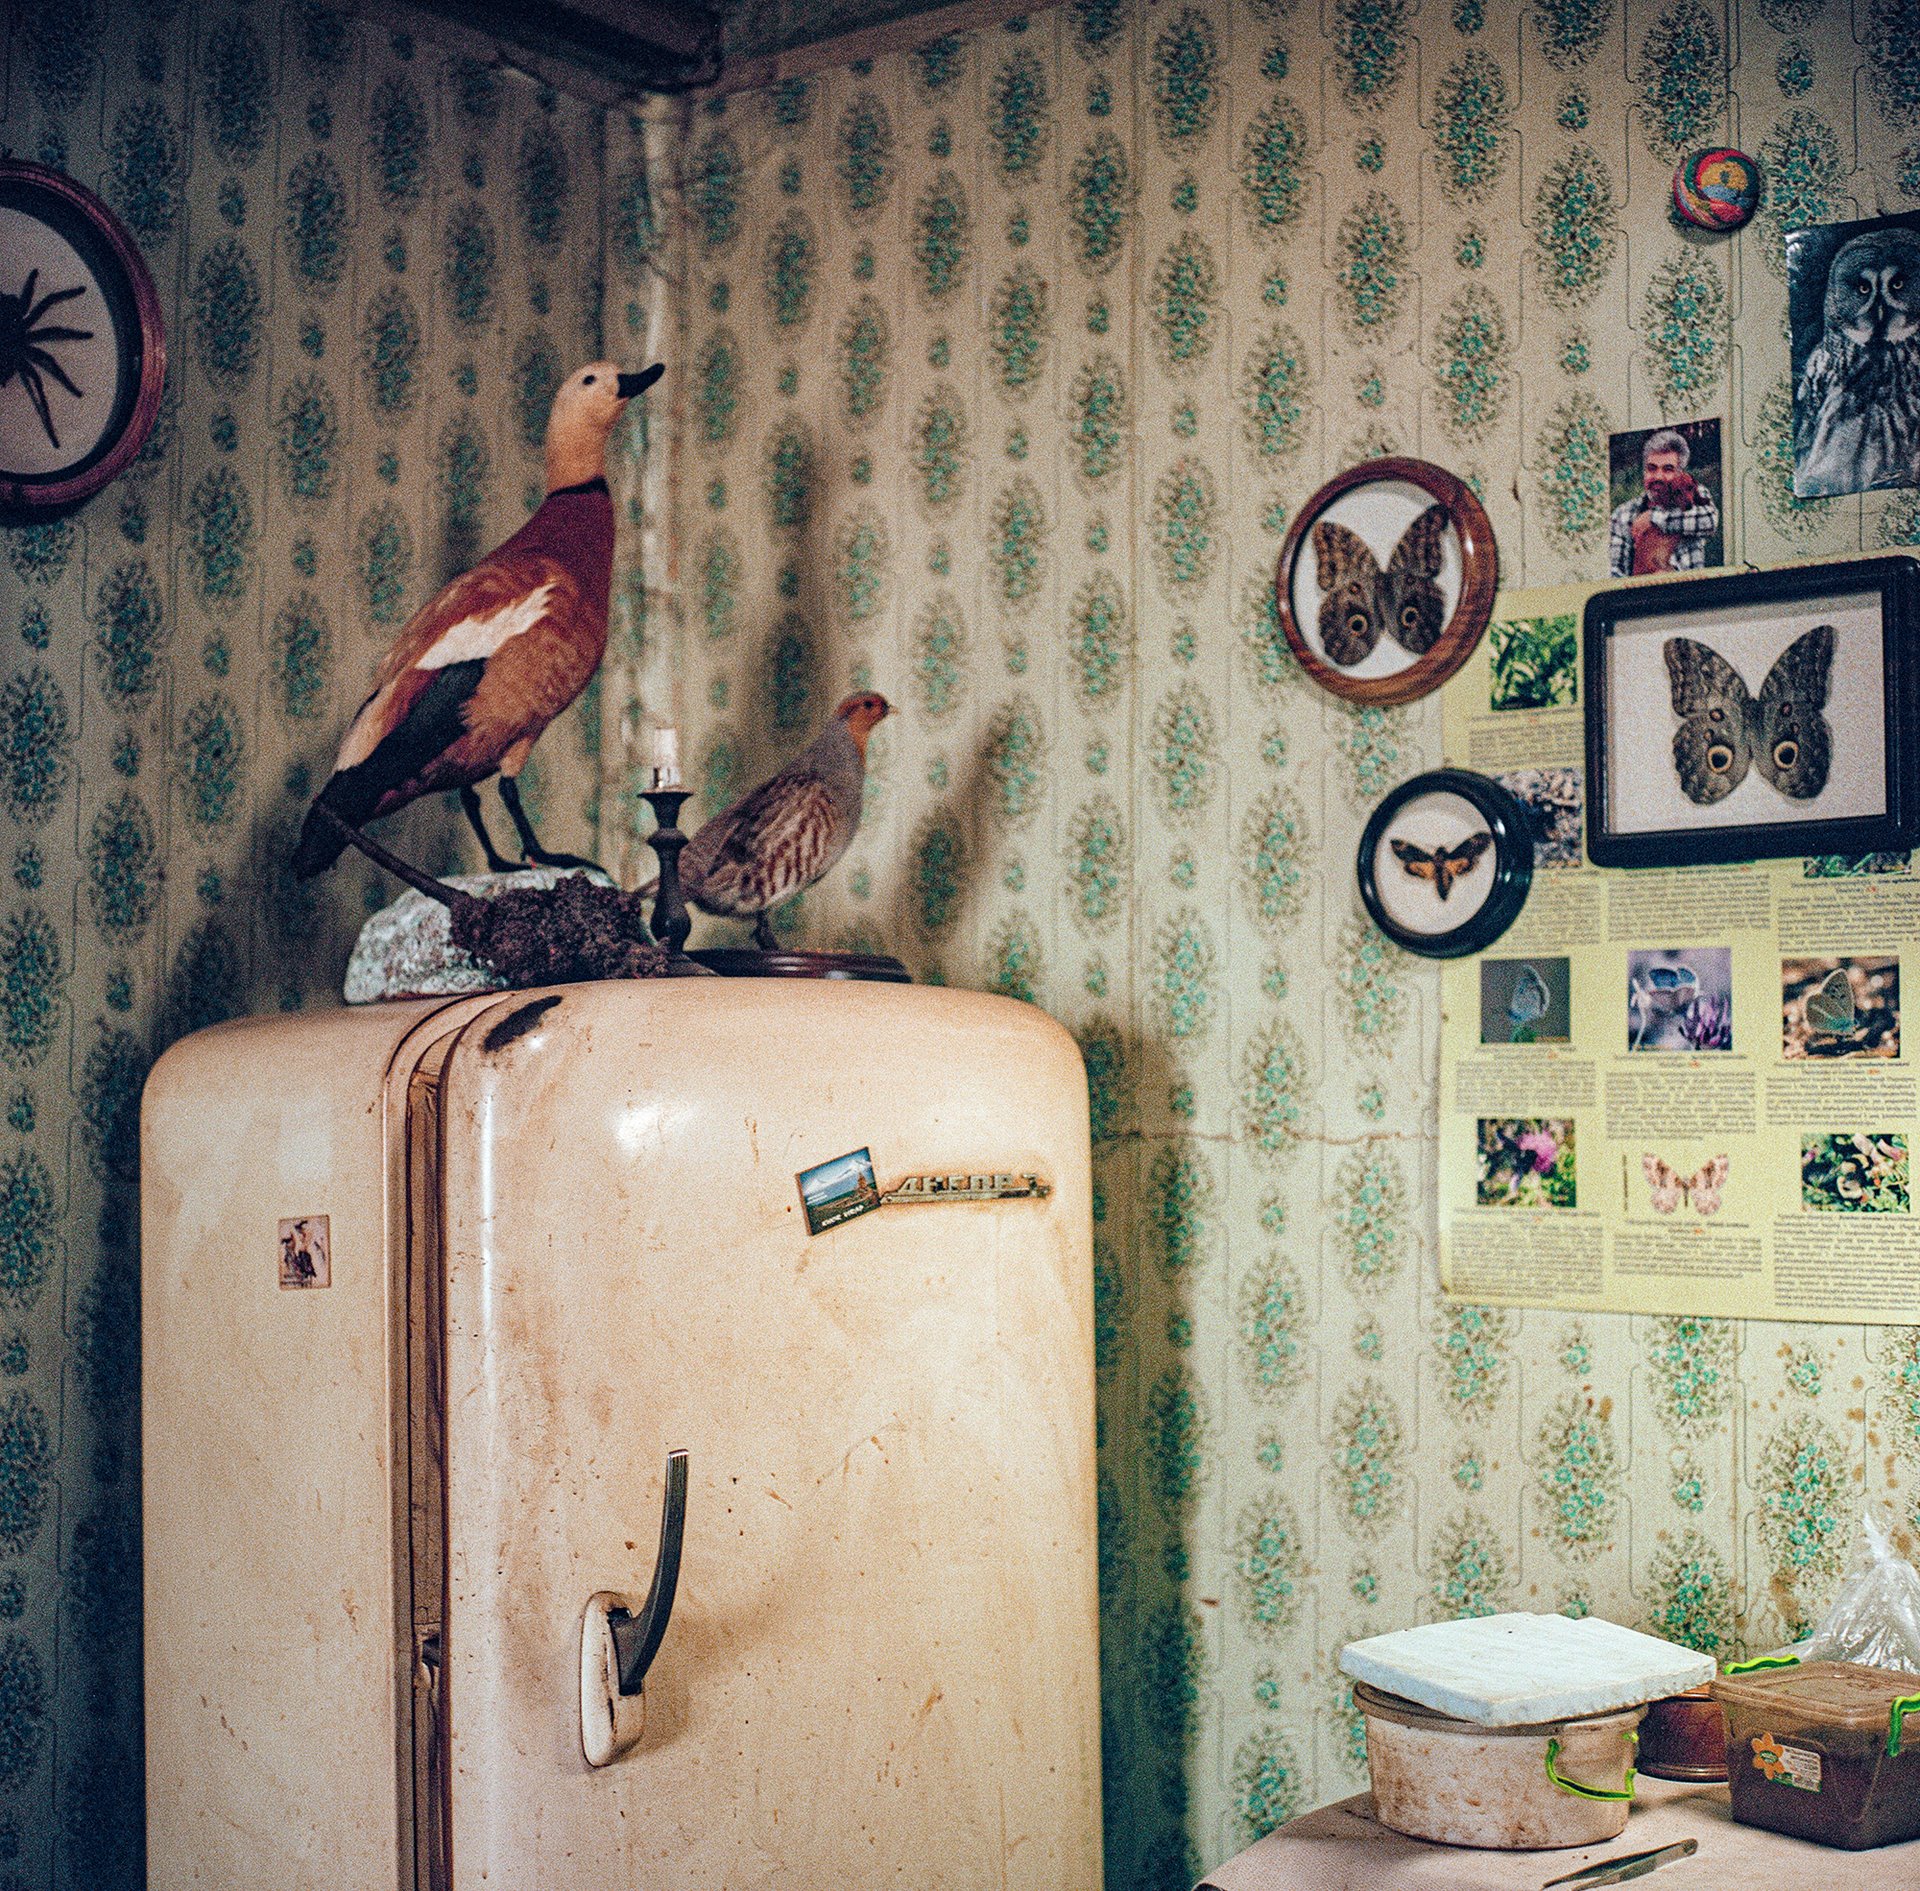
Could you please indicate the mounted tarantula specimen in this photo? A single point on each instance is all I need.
(24, 344)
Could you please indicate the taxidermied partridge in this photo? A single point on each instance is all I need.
(785, 834)
(481, 669)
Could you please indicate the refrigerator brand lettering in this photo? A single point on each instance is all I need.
(965, 1188)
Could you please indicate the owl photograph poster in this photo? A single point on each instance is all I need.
(1853, 300)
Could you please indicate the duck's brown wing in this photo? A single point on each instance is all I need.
(471, 620)
(765, 848)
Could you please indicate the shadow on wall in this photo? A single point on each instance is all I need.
(1157, 1631)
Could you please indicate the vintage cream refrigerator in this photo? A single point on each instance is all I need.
(468, 1325)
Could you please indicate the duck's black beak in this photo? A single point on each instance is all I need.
(631, 384)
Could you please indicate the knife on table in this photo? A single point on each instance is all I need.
(1619, 1870)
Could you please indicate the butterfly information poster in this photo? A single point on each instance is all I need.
(1670, 1090)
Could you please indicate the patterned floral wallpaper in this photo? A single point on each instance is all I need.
(375, 263)
(1006, 362)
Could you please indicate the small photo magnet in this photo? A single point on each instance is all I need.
(837, 1191)
(306, 1252)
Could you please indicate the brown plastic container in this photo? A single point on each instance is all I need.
(1827, 1751)
(1684, 1736)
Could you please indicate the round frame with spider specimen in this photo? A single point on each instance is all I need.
(82, 350)
(1445, 863)
(1386, 580)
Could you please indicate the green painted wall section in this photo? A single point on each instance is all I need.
(1008, 360)
(374, 263)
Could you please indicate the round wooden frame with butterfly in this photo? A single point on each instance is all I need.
(1382, 632)
(1466, 843)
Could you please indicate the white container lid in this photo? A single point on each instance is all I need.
(1520, 1670)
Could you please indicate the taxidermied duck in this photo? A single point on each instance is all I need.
(784, 835)
(480, 670)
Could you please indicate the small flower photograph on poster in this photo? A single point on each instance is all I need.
(1526, 1162)
(1535, 662)
(1856, 1173)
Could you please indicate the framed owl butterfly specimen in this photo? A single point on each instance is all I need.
(1445, 864)
(1386, 580)
(1760, 714)
(82, 351)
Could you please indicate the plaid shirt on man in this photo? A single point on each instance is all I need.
(1691, 525)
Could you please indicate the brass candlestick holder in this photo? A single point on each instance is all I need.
(671, 920)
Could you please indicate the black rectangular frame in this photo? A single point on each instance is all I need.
(1897, 578)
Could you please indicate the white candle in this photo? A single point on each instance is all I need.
(666, 756)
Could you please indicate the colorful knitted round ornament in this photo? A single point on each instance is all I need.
(1717, 189)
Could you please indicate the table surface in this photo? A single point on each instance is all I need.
(1342, 1847)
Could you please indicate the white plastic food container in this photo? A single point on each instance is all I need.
(1567, 1782)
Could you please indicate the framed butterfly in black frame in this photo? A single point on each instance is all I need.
(1445, 862)
(1755, 715)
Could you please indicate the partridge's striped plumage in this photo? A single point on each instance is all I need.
(481, 669)
(788, 831)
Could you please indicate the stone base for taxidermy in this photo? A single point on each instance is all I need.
(542, 926)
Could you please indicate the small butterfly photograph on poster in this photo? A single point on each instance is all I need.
(1668, 1187)
(1386, 580)
(1552, 797)
(1525, 1162)
(1764, 714)
(1840, 1007)
(1525, 1001)
(1445, 862)
(1680, 1001)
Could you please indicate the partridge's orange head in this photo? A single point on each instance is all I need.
(861, 712)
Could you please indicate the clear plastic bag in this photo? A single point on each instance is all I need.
(1875, 1619)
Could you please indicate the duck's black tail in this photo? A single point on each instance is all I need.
(434, 722)
(351, 796)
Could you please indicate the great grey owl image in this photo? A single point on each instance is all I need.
(1856, 404)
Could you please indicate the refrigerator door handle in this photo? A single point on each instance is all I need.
(619, 1641)
(637, 1638)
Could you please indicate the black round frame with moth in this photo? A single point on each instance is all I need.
(1401, 638)
(1456, 833)
(82, 348)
